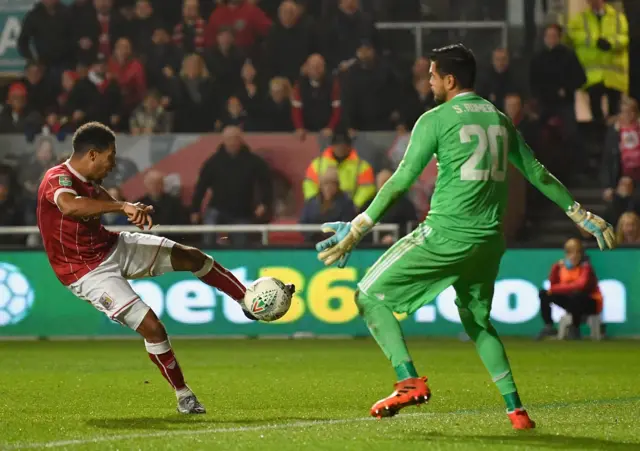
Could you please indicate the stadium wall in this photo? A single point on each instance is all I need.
(34, 304)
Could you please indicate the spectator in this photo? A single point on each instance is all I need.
(418, 100)
(402, 212)
(143, 25)
(234, 116)
(129, 74)
(98, 33)
(109, 106)
(239, 181)
(225, 60)
(124, 169)
(247, 20)
(628, 230)
(45, 36)
(371, 92)
(193, 96)
(328, 205)
(356, 175)
(250, 93)
(621, 156)
(525, 123)
(600, 37)
(115, 219)
(167, 208)
(555, 75)
(10, 206)
(163, 58)
(345, 32)
(188, 35)
(574, 287)
(421, 68)
(275, 115)
(40, 162)
(15, 118)
(150, 117)
(41, 94)
(494, 84)
(78, 100)
(623, 199)
(289, 43)
(316, 100)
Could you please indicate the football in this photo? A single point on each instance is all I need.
(267, 299)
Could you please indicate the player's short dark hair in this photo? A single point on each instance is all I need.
(93, 135)
(456, 60)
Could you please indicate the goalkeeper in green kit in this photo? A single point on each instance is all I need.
(461, 242)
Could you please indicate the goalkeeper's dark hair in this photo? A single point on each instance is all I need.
(458, 61)
(93, 136)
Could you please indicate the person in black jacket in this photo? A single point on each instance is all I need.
(167, 208)
(97, 33)
(289, 43)
(495, 83)
(240, 184)
(275, 112)
(225, 61)
(162, 54)
(41, 93)
(47, 28)
(143, 25)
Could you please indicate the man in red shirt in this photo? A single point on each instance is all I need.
(574, 287)
(95, 263)
(247, 20)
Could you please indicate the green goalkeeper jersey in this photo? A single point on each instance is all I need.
(472, 142)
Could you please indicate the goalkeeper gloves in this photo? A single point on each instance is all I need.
(346, 235)
(593, 224)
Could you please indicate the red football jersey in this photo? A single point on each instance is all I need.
(74, 247)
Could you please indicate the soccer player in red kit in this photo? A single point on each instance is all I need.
(95, 263)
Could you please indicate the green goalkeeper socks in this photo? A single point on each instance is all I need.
(512, 400)
(386, 330)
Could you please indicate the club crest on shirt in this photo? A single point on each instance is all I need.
(65, 180)
(106, 301)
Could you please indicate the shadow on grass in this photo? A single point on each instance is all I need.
(534, 440)
(165, 423)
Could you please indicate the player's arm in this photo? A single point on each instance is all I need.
(522, 158)
(422, 147)
(77, 207)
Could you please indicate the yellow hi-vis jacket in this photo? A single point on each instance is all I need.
(355, 175)
(610, 67)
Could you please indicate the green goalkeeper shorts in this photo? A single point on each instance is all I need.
(415, 270)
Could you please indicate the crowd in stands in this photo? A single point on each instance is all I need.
(187, 66)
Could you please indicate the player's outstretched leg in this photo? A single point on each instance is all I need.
(491, 350)
(410, 389)
(159, 349)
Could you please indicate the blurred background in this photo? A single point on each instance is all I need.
(248, 122)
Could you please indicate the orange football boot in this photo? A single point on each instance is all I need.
(409, 392)
(520, 419)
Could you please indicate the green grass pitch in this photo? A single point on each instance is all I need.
(313, 394)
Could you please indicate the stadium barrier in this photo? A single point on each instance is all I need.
(33, 303)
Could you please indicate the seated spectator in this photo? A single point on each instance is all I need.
(344, 33)
(115, 219)
(234, 116)
(15, 118)
(239, 182)
(401, 213)
(193, 97)
(418, 100)
(628, 230)
(574, 287)
(356, 175)
(250, 92)
(31, 175)
(98, 33)
(167, 209)
(163, 58)
(371, 92)
(188, 35)
(41, 94)
(275, 113)
(623, 199)
(11, 206)
(289, 43)
(143, 25)
(316, 105)
(225, 60)
(78, 101)
(45, 35)
(109, 106)
(130, 75)
(329, 205)
(150, 117)
(525, 123)
(621, 156)
(494, 83)
(249, 22)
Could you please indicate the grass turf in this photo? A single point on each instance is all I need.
(292, 395)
